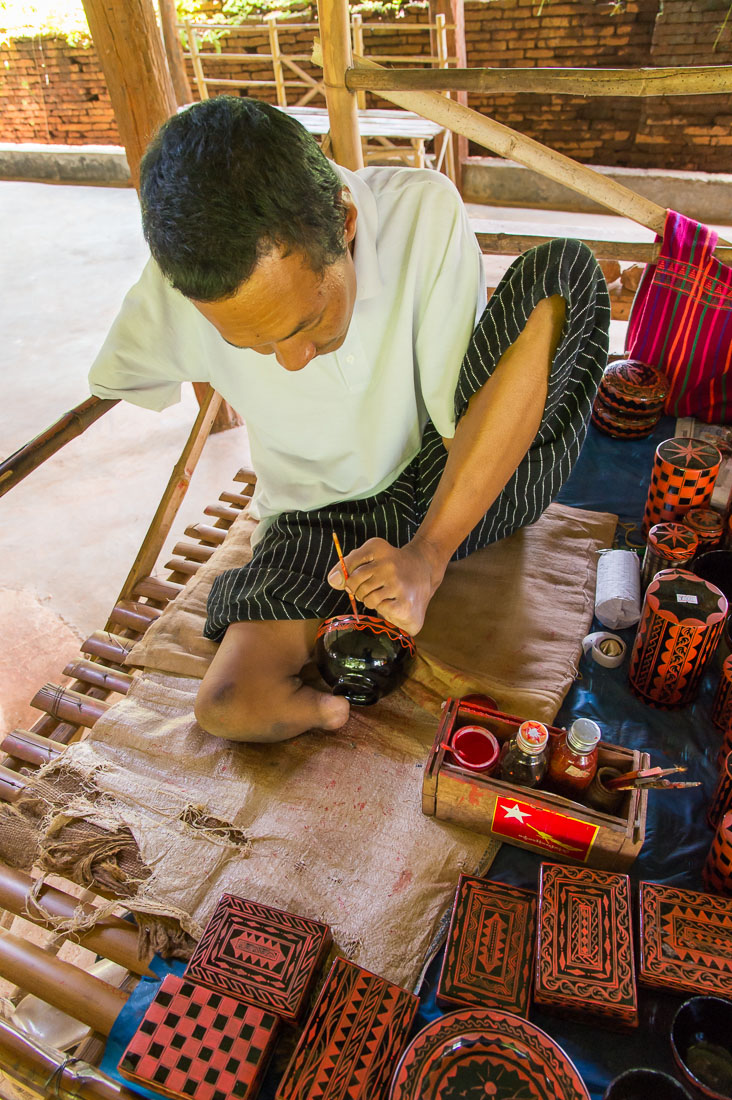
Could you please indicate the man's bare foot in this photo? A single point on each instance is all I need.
(253, 692)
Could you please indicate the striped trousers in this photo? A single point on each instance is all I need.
(286, 576)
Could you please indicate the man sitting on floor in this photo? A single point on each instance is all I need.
(342, 314)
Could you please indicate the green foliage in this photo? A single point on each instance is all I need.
(50, 18)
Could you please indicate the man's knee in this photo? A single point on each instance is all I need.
(234, 710)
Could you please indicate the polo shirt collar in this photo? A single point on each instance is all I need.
(365, 259)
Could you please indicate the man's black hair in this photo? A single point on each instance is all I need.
(226, 181)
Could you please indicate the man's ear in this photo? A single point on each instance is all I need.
(349, 228)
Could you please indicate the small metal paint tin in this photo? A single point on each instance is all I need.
(722, 797)
(683, 476)
(669, 544)
(717, 872)
(681, 623)
(707, 525)
(475, 748)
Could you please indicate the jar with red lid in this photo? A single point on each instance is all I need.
(573, 762)
(524, 759)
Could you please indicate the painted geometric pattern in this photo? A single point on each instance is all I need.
(490, 946)
(585, 943)
(668, 659)
(686, 940)
(353, 1039)
(196, 1044)
(261, 955)
(684, 472)
(717, 870)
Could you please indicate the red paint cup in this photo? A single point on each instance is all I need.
(475, 748)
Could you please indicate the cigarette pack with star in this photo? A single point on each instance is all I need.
(533, 818)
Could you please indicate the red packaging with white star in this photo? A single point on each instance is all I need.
(539, 820)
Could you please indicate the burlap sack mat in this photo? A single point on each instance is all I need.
(329, 825)
(507, 621)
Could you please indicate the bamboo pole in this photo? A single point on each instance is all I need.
(196, 61)
(196, 551)
(107, 645)
(333, 16)
(29, 747)
(454, 10)
(39, 1068)
(695, 80)
(514, 146)
(68, 988)
(174, 52)
(92, 672)
(175, 490)
(71, 706)
(274, 45)
(111, 937)
(28, 458)
(513, 244)
(12, 785)
(130, 50)
(154, 588)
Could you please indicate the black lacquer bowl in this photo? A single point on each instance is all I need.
(362, 658)
(701, 1041)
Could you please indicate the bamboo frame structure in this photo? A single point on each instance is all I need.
(696, 80)
(72, 708)
(515, 146)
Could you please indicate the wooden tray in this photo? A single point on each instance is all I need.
(527, 817)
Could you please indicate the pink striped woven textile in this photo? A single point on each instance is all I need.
(681, 321)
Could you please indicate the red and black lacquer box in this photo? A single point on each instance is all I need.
(685, 940)
(199, 1045)
(490, 947)
(353, 1039)
(263, 956)
(584, 958)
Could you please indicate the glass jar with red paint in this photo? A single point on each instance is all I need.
(573, 762)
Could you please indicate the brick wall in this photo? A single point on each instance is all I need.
(50, 91)
(53, 92)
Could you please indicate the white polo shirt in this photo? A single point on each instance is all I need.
(348, 423)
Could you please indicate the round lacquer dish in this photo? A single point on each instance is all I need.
(363, 658)
(475, 1053)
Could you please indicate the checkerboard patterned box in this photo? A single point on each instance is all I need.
(199, 1045)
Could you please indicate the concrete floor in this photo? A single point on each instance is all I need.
(71, 530)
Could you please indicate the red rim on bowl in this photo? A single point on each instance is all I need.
(474, 748)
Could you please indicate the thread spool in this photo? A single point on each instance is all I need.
(717, 872)
(668, 545)
(681, 623)
(683, 476)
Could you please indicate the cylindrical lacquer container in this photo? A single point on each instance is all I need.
(668, 545)
(722, 706)
(707, 525)
(722, 797)
(726, 747)
(681, 623)
(684, 471)
(717, 873)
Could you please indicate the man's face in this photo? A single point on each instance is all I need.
(285, 309)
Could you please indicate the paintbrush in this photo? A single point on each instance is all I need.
(636, 778)
(339, 552)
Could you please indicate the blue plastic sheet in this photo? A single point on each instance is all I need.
(611, 475)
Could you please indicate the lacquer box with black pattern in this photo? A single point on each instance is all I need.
(585, 965)
(531, 817)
